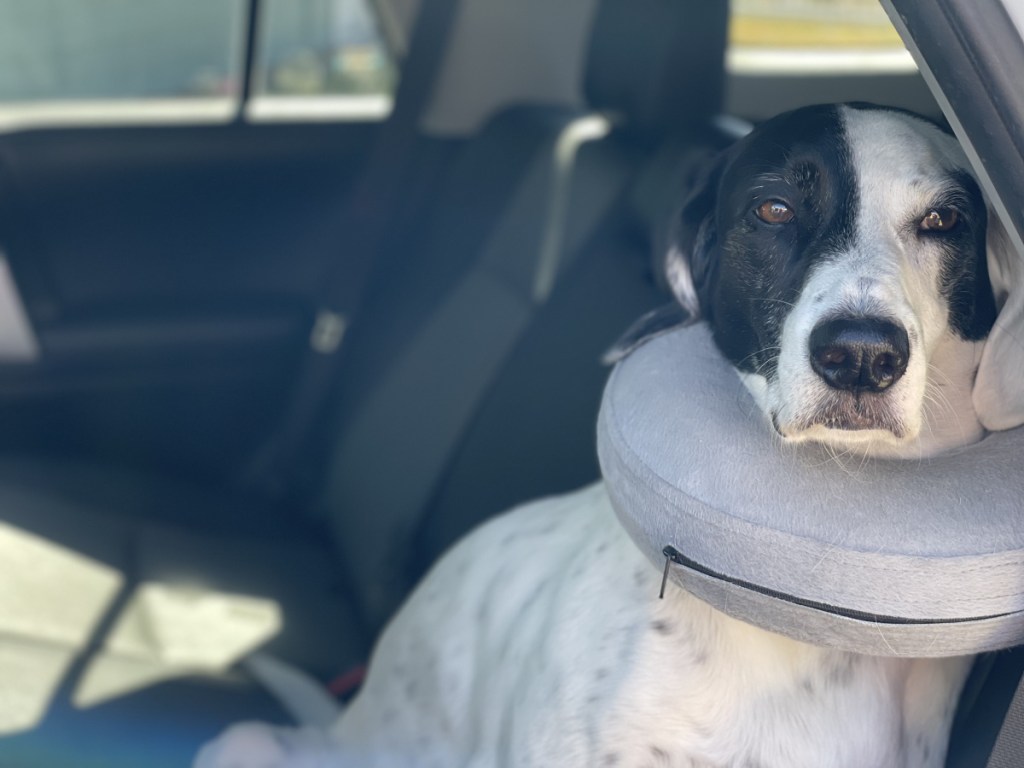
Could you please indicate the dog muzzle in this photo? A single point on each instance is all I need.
(903, 558)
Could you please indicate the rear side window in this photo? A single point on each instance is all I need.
(813, 36)
(323, 47)
(71, 61)
(73, 50)
(784, 54)
(325, 58)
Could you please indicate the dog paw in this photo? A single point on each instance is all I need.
(249, 745)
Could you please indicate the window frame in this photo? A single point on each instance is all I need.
(969, 53)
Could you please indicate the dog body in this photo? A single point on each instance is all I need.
(539, 640)
(559, 652)
(839, 255)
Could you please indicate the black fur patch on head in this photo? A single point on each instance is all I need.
(748, 273)
(964, 280)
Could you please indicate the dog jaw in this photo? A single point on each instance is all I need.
(862, 283)
(938, 413)
(928, 411)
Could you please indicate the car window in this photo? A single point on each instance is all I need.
(785, 54)
(58, 50)
(321, 57)
(809, 37)
(158, 60)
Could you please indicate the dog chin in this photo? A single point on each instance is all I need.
(865, 441)
(875, 429)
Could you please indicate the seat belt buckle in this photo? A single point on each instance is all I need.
(327, 332)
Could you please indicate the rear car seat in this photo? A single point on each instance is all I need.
(524, 416)
(473, 395)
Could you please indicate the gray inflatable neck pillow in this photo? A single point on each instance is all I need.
(888, 558)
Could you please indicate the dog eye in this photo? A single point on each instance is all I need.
(939, 220)
(774, 212)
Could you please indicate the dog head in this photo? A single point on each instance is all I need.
(839, 254)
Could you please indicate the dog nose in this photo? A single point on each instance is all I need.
(859, 354)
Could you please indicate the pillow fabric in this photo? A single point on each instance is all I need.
(909, 558)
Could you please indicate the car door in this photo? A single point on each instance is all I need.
(172, 174)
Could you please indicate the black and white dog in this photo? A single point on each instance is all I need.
(846, 262)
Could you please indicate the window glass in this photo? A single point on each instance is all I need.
(74, 50)
(323, 48)
(814, 36)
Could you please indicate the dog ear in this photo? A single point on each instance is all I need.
(999, 386)
(656, 322)
(690, 263)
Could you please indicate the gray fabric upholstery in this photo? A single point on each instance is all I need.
(1009, 748)
(897, 558)
(154, 530)
(659, 63)
(143, 531)
(428, 350)
(410, 423)
(484, 70)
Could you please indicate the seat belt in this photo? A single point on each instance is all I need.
(989, 720)
(368, 212)
(1008, 749)
(487, 311)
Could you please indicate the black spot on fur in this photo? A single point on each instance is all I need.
(964, 280)
(840, 672)
(662, 627)
(660, 755)
(802, 159)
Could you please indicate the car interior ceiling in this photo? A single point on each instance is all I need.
(460, 391)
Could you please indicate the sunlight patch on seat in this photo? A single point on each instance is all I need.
(49, 592)
(31, 672)
(168, 631)
(51, 600)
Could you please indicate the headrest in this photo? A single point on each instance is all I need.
(659, 63)
(883, 557)
(501, 55)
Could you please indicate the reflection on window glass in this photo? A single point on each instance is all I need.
(323, 48)
(797, 24)
(58, 50)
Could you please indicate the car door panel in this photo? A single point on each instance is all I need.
(170, 274)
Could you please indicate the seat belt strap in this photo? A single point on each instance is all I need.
(436, 404)
(1008, 750)
(368, 211)
(988, 719)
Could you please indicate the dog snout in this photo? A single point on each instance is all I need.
(859, 354)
